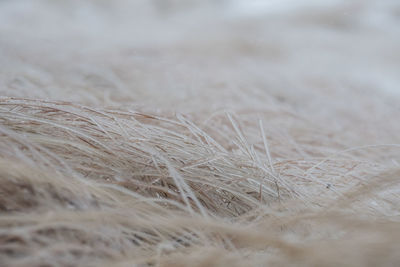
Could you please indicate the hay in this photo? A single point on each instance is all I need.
(187, 134)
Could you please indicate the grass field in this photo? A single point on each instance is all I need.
(199, 133)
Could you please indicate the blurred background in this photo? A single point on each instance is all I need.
(176, 53)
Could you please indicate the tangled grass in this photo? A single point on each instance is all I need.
(189, 154)
(90, 186)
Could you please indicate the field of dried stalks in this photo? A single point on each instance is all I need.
(192, 133)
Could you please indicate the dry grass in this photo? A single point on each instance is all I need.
(231, 145)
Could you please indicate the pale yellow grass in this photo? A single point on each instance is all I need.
(184, 134)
